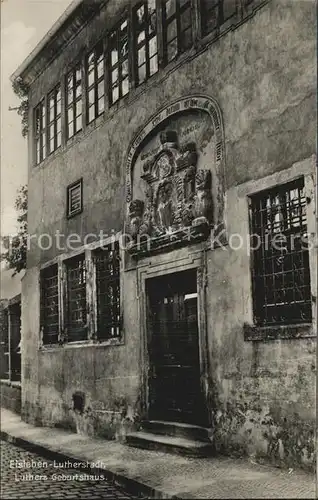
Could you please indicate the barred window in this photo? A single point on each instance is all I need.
(214, 13)
(177, 27)
(50, 305)
(146, 53)
(108, 291)
(74, 101)
(15, 341)
(75, 198)
(54, 119)
(76, 321)
(95, 71)
(280, 272)
(118, 62)
(40, 132)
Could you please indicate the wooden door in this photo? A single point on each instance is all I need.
(174, 375)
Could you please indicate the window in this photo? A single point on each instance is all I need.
(281, 279)
(118, 62)
(214, 13)
(40, 132)
(95, 83)
(74, 101)
(50, 305)
(76, 317)
(108, 291)
(54, 119)
(10, 351)
(177, 27)
(75, 198)
(146, 54)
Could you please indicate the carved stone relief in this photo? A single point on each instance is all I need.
(177, 194)
(172, 197)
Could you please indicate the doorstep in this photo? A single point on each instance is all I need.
(159, 475)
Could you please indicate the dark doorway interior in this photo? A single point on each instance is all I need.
(174, 377)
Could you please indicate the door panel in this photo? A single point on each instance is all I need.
(174, 377)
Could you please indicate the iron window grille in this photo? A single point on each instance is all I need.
(177, 27)
(214, 13)
(54, 119)
(74, 101)
(76, 314)
(15, 342)
(146, 50)
(40, 132)
(280, 270)
(108, 291)
(50, 305)
(95, 71)
(118, 62)
(75, 198)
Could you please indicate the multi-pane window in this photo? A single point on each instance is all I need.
(214, 13)
(146, 53)
(74, 101)
(108, 291)
(95, 83)
(75, 198)
(76, 316)
(118, 62)
(54, 119)
(40, 132)
(281, 277)
(177, 27)
(50, 305)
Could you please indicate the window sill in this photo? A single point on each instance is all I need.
(83, 344)
(304, 330)
(10, 383)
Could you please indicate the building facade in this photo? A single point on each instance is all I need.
(172, 267)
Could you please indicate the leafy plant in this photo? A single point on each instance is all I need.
(21, 89)
(16, 246)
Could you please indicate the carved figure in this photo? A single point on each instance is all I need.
(203, 208)
(164, 205)
(136, 210)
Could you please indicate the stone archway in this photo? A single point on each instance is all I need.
(175, 186)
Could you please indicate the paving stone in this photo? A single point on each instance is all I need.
(16, 485)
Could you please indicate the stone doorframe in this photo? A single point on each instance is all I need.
(183, 260)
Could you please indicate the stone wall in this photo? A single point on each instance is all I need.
(11, 395)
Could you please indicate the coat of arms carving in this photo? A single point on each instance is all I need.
(177, 194)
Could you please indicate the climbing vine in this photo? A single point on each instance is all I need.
(21, 89)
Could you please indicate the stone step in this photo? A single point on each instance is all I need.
(169, 444)
(176, 429)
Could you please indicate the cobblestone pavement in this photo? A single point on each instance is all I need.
(42, 478)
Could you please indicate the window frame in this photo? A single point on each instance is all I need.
(41, 136)
(94, 86)
(67, 310)
(73, 105)
(43, 324)
(57, 89)
(282, 189)
(110, 68)
(92, 336)
(71, 186)
(114, 282)
(136, 46)
(218, 7)
(176, 16)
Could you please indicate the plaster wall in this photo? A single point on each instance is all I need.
(262, 74)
